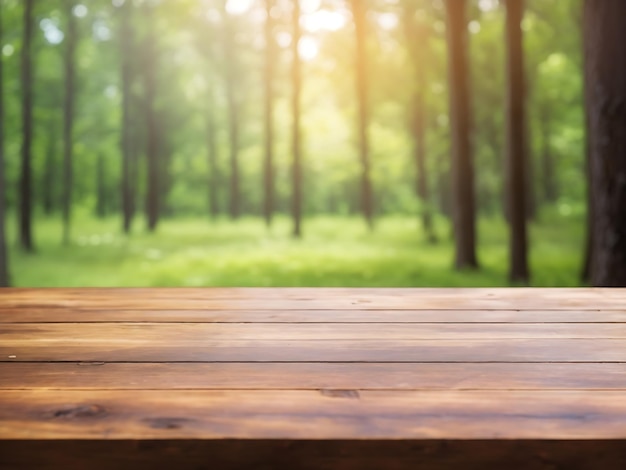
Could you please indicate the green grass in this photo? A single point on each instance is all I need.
(334, 252)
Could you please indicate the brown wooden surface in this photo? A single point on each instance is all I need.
(313, 378)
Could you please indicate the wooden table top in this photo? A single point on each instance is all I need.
(390, 364)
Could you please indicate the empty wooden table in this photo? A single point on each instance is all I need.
(312, 378)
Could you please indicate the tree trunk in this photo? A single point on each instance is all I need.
(360, 26)
(25, 199)
(605, 93)
(152, 126)
(101, 186)
(268, 167)
(68, 118)
(463, 197)
(48, 179)
(416, 38)
(129, 162)
(296, 131)
(233, 113)
(4, 258)
(548, 180)
(214, 174)
(516, 156)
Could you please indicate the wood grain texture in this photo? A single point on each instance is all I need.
(331, 316)
(317, 298)
(328, 414)
(311, 376)
(122, 349)
(313, 455)
(194, 333)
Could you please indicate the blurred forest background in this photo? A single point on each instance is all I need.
(286, 142)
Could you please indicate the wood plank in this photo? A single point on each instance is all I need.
(312, 415)
(313, 455)
(84, 315)
(311, 376)
(124, 349)
(317, 298)
(197, 333)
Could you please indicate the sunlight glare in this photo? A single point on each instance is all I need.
(80, 11)
(51, 31)
(308, 48)
(324, 20)
(310, 6)
(238, 7)
(487, 5)
(387, 21)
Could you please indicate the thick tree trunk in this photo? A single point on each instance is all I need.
(127, 46)
(296, 131)
(153, 171)
(4, 255)
(68, 118)
(516, 157)
(25, 191)
(416, 39)
(605, 93)
(268, 162)
(463, 197)
(360, 27)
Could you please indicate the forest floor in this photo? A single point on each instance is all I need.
(334, 251)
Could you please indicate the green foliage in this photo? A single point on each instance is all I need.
(334, 252)
(191, 60)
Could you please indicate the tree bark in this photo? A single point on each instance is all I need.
(416, 37)
(516, 156)
(360, 27)
(268, 166)
(25, 186)
(214, 174)
(463, 197)
(68, 117)
(605, 96)
(4, 255)
(233, 113)
(153, 172)
(296, 78)
(48, 179)
(127, 46)
(101, 186)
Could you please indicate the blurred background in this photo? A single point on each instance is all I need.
(289, 143)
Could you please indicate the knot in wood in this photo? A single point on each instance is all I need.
(80, 411)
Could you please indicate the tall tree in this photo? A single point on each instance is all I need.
(416, 35)
(231, 76)
(549, 186)
(129, 163)
(463, 197)
(153, 170)
(359, 10)
(296, 130)
(516, 165)
(605, 96)
(25, 186)
(4, 260)
(212, 152)
(268, 166)
(71, 38)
